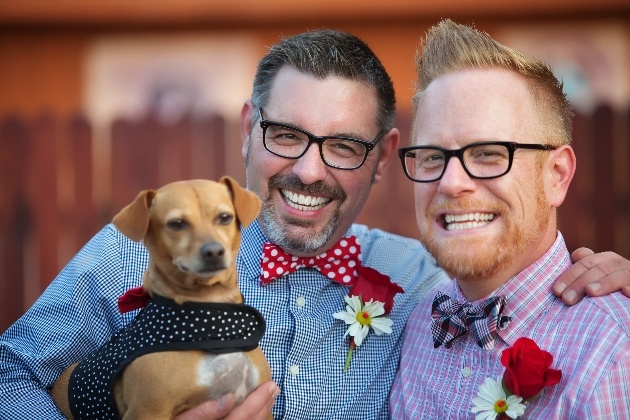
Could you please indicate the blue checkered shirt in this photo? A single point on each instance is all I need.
(303, 342)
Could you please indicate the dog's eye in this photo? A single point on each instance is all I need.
(225, 219)
(176, 224)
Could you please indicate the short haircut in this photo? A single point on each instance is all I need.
(449, 47)
(324, 53)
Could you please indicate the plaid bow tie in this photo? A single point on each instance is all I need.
(452, 320)
(339, 263)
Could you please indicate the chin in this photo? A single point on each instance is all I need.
(297, 238)
(471, 257)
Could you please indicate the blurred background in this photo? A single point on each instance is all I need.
(99, 100)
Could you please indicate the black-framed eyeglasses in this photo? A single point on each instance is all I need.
(336, 151)
(483, 160)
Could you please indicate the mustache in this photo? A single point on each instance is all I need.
(444, 205)
(292, 182)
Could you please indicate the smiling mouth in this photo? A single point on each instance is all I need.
(304, 202)
(467, 221)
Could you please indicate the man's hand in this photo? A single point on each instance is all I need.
(257, 406)
(593, 274)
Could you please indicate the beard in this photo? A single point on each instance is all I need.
(479, 257)
(281, 232)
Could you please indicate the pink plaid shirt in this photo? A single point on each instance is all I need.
(590, 343)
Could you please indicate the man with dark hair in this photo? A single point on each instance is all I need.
(492, 161)
(323, 87)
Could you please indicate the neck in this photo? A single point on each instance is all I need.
(222, 287)
(476, 286)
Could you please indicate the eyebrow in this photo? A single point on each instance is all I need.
(339, 134)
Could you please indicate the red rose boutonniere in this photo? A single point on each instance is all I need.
(527, 371)
(370, 298)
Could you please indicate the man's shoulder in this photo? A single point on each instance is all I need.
(590, 323)
(111, 237)
(381, 247)
(613, 309)
(109, 246)
(380, 238)
(404, 259)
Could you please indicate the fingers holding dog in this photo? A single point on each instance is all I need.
(257, 406)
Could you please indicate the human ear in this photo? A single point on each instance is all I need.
(560, 169)
(246, 126)
(388, 150)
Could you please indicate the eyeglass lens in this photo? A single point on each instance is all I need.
(291, 143)
(481, 161)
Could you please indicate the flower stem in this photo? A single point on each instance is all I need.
(348, 359)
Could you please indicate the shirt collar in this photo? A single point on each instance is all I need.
(248, 258)
(529, 293)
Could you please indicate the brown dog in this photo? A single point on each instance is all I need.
(192, 232)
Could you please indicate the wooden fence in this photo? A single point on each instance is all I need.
(61, 181)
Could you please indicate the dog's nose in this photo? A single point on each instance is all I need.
(212, 252)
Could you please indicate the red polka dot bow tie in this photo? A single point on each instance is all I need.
(338, 263)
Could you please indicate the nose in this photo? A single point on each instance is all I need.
(455, 181)
(310, 167)
(212, 253)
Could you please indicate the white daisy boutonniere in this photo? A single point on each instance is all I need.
(368, 302)
(492, 402)
(527, 372)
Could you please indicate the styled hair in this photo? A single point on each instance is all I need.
(449, 47)
(324, 53)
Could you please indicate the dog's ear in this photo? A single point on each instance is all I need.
(246, 203)
(133, 220)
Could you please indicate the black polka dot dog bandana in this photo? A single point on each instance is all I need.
(162, 325)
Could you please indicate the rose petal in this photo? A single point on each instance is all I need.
(527, 368)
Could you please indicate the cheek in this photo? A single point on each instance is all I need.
(356, 184)
(259, 169)
(178, 244)
(532, 203)
(527, 196)
(422, 200)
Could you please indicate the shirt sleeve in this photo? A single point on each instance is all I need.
(75, 315)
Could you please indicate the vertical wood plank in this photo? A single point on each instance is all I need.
(87, 222)
(14, 217)
(208, 148)
(604, 196)
(622, 184)
(174, 152)
(42, 174)
(576, 217)
(135, 152)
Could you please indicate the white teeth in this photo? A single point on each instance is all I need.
(468, 217)
(304, 202)
(467, 221)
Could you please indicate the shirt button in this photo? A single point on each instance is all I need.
(300, 301)
(466, 372)
(294, 370)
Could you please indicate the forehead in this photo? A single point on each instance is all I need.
(331, 105)
(475, 105)
(190, 197)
